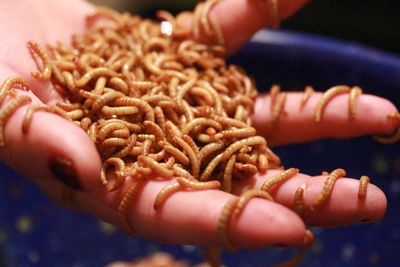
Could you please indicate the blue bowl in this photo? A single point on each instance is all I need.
(36, 232)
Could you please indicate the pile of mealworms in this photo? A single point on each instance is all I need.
(157, 104)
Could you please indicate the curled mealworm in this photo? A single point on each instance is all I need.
(119, 165)
(10, 83)
(106, 129)
(154, 129)
(395, 137)
(7, 111)
(124, 205)
(36, 50)
(308, 91)
(179, 155)
(355, 92)
(156, 167)
(120, 85)
(328, 95)
(165, 193)
(195, 163)
(200, 122)
(362, 188)
(223, 222)
(328, 187)
(94, 73)
(279, 178)
(255, 140)
(245, 198)
(196, 185)
(29, 113)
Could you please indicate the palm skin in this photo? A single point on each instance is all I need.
(178, 221)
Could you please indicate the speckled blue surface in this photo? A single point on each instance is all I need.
(36, 232)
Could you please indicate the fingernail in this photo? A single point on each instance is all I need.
(64, 170)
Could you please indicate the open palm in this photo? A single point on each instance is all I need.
(50, 138)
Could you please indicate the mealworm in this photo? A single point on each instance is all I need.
(179, 171)
(195, 163)
(217, 98)
(210, 168)
(326, 97)
(75, 114)
(156, 167)
(227, 177)
(106, 129)
(160, 118)
(226, 121)
(85, 123)
(278, 107)
(123, 206)
(299, 200)
(165, 193)
(120, 85)
(154, 129)
(68, 106)
(223, 221)
(328, 187)
(179, 155)
(237, 133)
(249, 169)
(121, 133)
(191, 143)
(395, 137)
(245, 198)
(10, 83)
(118, 111)
(200, 122)
(31, 109)
(94, 73)
(112, 142)
(362, 188)
(36, 50)
(273, 159)
(355, 92)
(196, 185)
(279, 178)
(119, 165)
(308, 91)
(251, 141)
(146, 146)
(140, 104)
(7, 111)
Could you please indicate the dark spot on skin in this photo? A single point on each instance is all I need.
(64, 170)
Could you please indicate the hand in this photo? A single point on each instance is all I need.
(52, 143)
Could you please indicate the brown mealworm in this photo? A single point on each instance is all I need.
(154, 129)
(8, 110)
(118, 111)
(299, 200)
(354, 94)
(94, 73)
(249, 169)
(179, 155)
(362, 188)
(226, 121)
(308, 91)
(10, 83)
(328, 187)
(200, 122)
(196, 185)
(120, 85)
(245, 198)
(119, 165)
(156, 167)
(195, 163)
(223, 222)
(140, 104)
(228, 172)
(237, 133)
(121, 133)
(123, 206)
(278, 107)
(395, 137)
(210, 168)
(47, 65)
(106, 129)
(33, 108)
(326, 97)
(251, 141)
(279, 178)
(165, 193)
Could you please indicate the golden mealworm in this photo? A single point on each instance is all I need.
(156, 167)
(33, 108)
(278, 107)
(128, 148)
(154, 129)
(94, 73)
(8, 110)
(236, 133)
(210, 168)
(223, 222)
(179, 155)
(326, 97)
(245, 198)
(279, 178)
(68, 106)
(140, 104)
(362, 188)
(179, 171)
(124, 205)
(118, 111)
(196, 185)
(217, 98)
(188, 139)
(210, 148)
(328, 187)
(119, 166)
(121, 133)
(308, 91)
(354, 94)
(299, 200)
(249, 169)
(112, 142)
(262, 163)
(120, 85)
(195, 163)
(69, 81)
(200, 122)
(226, 121)
(228, 172)
(165, 193)
(47, 65)
(10, 83)
(106, 129)
(234, 147)
(85, 123)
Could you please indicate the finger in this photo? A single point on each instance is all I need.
(53, 148)
(245, 17)
(184, 211)
(341, 208)
(297, 124)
